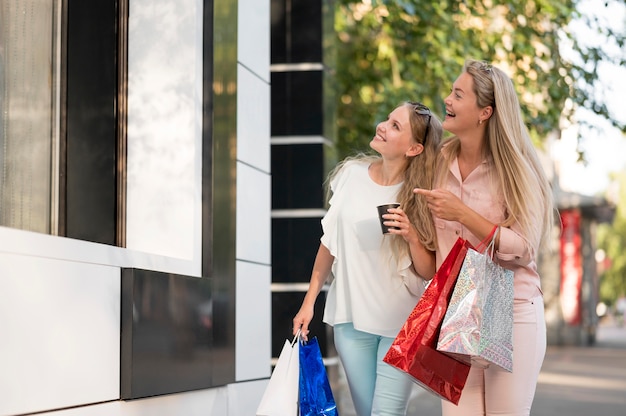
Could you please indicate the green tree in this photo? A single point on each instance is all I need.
(389, 51)
(612, 239)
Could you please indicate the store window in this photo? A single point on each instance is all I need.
(62, 136)
(68, 95)
(29, 108)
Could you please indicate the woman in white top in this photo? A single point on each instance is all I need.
(377, 279)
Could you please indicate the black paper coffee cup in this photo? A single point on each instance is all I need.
(382, 209)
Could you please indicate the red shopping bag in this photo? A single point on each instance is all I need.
(414, 349)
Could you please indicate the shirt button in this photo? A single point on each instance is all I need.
(457, 232)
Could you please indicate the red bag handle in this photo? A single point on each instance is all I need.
(487, 241)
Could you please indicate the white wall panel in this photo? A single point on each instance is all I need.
(211, 402)
(253, 215)
(253, 333)
(101, 409)
(244, 398)
(253, 36)
(253, 329)
(60, 334)
(253, 120)
(48, 246)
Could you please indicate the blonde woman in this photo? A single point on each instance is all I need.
(489, 175)
(377, 279)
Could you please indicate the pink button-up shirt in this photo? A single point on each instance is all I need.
(514, 251)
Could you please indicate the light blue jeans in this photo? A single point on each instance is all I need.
(375, 386)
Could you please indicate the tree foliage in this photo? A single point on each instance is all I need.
(612, 239)
(389, 51)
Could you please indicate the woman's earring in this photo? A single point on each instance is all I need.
(480, 122)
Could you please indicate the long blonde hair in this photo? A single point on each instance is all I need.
(519, 175)
(419, 173)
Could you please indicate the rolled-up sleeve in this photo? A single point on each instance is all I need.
(513, 248)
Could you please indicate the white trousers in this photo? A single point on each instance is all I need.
(493, 391)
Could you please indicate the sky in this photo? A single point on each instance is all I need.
(604, 146)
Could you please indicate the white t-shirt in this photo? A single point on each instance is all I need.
(369, 288)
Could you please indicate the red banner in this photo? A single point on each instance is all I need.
(571, 267)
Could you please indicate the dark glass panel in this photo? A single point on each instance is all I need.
(90, 212)
(297, 103)
(296, 31)
(279, 33)
(285, 305)
(168, 326)
(297, 176)
(294, 245)
(306, 35)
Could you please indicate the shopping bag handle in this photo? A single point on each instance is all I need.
(492, 245)
(296, 337)
(489, 240)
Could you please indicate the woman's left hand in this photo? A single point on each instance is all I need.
(398, 219)
(423, 259)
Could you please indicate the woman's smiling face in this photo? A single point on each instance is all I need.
(462, 111)
(394, 136)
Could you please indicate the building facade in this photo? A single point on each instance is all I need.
(135, 207)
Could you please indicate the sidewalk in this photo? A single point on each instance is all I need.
(574, 381)
(585, 381)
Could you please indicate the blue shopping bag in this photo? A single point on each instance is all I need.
(316, 397)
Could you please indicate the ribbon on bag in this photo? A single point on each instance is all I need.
(281, 394)
(478, 325)
(316, 396)
(414, 352)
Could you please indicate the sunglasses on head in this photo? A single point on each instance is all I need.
(422, 110)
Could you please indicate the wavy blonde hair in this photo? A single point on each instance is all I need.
(519, 176)
(419, 173)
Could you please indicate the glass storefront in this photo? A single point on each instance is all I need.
(29, 105)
